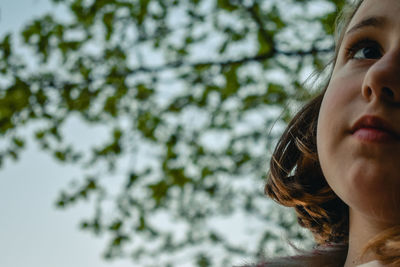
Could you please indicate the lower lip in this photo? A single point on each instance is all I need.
(374, 135)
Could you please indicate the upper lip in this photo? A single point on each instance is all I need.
(371, 121)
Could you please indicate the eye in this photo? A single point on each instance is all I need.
(364, 49)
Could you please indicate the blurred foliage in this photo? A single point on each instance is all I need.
(189, 91)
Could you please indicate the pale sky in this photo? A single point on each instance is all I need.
(33, 233)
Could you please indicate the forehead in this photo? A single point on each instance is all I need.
(390, 9)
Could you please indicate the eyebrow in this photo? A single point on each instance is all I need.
(377, 22)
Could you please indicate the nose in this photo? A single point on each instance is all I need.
(382, 80)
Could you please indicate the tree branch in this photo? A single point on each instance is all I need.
(258, 21)
(259, 58)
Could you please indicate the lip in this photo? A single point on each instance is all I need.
(372, 128)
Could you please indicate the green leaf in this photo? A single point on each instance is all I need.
(232, 82)
(5, 48)
(141, 15)
(159, 191)
(203, 261)
(20, 143)
(116, 226)
(108, 19)
(227, 5)
(143, 92)
(264, 46)
(147, 122)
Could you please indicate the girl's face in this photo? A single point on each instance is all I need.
(358, 134)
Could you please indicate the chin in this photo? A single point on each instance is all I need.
(375, 196)
(370, 188)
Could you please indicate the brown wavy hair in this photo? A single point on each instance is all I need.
(296, 180)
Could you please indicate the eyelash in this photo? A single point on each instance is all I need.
(354, 47)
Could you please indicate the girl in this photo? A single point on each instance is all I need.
(338, 161)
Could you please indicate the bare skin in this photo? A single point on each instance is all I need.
(362, 166)
(361, 231)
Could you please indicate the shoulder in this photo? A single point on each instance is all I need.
(329, 256)
(371, 264)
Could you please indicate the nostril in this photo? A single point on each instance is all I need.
(387, 92)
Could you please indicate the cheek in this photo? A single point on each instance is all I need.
(339, 95)
(329, 112)
(330, 160)
(341, 165)
(338, 108)
(323, 137)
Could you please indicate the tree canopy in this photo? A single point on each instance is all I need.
(189, 92)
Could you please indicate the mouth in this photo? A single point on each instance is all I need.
(374, 129)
